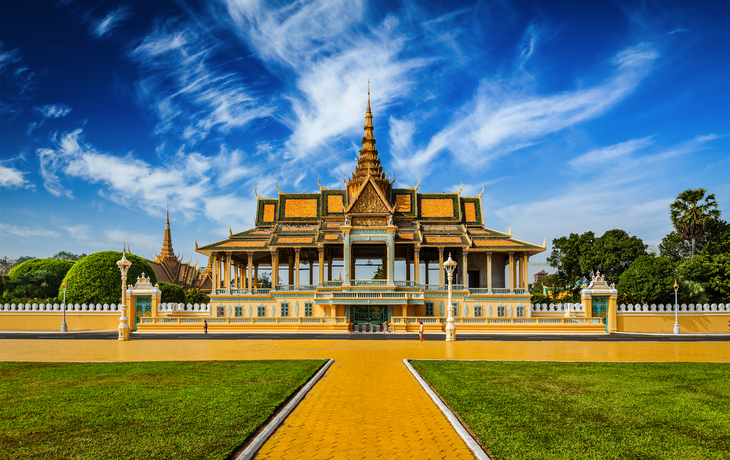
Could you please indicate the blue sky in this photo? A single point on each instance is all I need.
(574, 116)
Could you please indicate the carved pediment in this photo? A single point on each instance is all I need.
(369, 201)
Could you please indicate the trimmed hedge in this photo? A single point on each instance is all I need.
(55, 266)
(171, 293)
(96, 278)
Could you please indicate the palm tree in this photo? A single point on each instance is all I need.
(691, 216)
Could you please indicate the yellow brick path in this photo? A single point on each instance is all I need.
(367, 405)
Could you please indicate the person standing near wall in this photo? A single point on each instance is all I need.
(205, 326)
(420, 330)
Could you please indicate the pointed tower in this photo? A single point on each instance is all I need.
(368, 163)
(167, 252)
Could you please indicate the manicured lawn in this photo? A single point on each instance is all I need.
(537, 410)
(151, 410)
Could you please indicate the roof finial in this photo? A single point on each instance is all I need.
(167, 222)
(124, 249)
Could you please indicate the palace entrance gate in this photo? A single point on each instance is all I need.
(368, 314)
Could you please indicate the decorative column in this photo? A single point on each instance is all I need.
(291, 271)
(296, 268)
(227, 282)
(512, 272)
(416, 264)
(391, 259)
(320, 280)
(255, 276)
(214, 275)
(123, 265)
(489, 272)
(274, 269)
(441, 268)
(329, 269)
(311, 273)
(425, 268)
(464, 272)
(250, 270)
(346, 259)
(525, 272)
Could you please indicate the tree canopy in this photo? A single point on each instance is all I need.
(96, 278)
(692, 213)
(649, 279)
(171, 293)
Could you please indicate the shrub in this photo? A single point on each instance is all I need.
(648, 279)
(37, 278)
(195, 296)
(96, 278)
(172, 293)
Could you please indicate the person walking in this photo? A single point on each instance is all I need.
(205, 326)
(420, 330)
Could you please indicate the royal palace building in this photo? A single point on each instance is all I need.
(369, 219)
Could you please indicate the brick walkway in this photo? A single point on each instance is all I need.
(367, 405)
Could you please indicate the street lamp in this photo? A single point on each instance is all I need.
(450, 265)
(124, 265)
(676, 308)
(64, 328)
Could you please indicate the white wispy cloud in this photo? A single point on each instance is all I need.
(610, 153)
(184, 182)
(11, 177)
(78, 232)
(8, 57)
(332, 54)
(26, 232)
(189, 93)
(54, 110)
(102, 26)
(504, 117)
(135, 240)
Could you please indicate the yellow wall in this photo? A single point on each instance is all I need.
(664, 322)
(51, 321)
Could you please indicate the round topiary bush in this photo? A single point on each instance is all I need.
(96, 278)
(55, 266)
(171, 293)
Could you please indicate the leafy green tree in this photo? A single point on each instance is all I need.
(63, 255)
(57, 267)
(171, 293)
(264, 281)
(678, 248)
(195, 296)
(37, 278)
(649, 279)
(692, 213)
(96, 278)
(712, 272)
(576, 256)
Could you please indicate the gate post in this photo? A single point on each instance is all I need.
(599, 287)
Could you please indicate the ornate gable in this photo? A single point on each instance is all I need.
(369, 201)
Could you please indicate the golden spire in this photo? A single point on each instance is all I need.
(167, 251)
(368, 163)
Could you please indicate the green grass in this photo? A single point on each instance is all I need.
(151, 410)
(538, 410)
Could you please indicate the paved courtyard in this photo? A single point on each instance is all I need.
(367, 405)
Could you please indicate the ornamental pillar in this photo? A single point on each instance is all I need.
(525, 275)
(291, 271)
(227, 281)
(441, 268)
(425, 267)
(329, 269)
(408, 267)
(274, 269)
(391, 258)
(214, 276)
(464, 259)
(489, 272)
(255, 276)
(346, 266)
(512, 272)
(311, 273)
(416, 264)
(296, 268)
(321, 267)
(250, 269)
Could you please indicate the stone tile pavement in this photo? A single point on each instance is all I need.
(367, 405)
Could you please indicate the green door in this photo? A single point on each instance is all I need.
(373, 314)
(600, 309)
(142, 307)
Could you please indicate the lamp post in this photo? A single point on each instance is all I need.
(64, 328)
(676, 308)
(450, 265)
(124, 265)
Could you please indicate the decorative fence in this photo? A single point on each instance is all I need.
(59, 307)
(557, 308)
(631, 308)
(181, 307)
